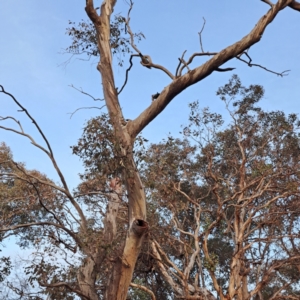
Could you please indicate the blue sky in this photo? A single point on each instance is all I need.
(32, 42)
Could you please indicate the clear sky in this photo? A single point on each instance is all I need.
(32, 42)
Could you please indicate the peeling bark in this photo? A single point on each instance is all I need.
(123, 269)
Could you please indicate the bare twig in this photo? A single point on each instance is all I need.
(200, 34)
(177, 69)
(250, 64)
(23, 109)
(89, 107)
(85, 93)
(192, 57)
(50, 154)
(185, 65)
(12, 118)
(127, 72)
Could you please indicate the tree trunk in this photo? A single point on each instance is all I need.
(86, 279)
(123, 268)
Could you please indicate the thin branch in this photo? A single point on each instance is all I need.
(127, 21)
(169, 262)
(12, 118)
(193, 56)
(179, 64)
(200, 34)
(88, 107)
(156, 66)
(268, 2)
(185, 65)
(178, 189)
(127, 72)
(85, 93)
(23, 109)
(163, 270)
(250, 64)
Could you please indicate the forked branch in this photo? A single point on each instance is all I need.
(146, 60)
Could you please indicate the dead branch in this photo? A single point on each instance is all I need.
(250, 64)
(88, 107)
(127, 72)
(85, 93)
(192, 58)
(23, 109)
(200, 34)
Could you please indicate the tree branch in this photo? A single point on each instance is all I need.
(91, 12)
(143, 288)
(88, 107)
(85, 93)
(127, 72)
(199, 73)
(295, 5)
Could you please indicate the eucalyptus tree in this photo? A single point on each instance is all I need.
(228, 199)
(62, 220)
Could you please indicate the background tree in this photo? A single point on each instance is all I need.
(229, 199)
(72, 227)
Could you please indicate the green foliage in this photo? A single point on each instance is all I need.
(84, 39)
(5, 267)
